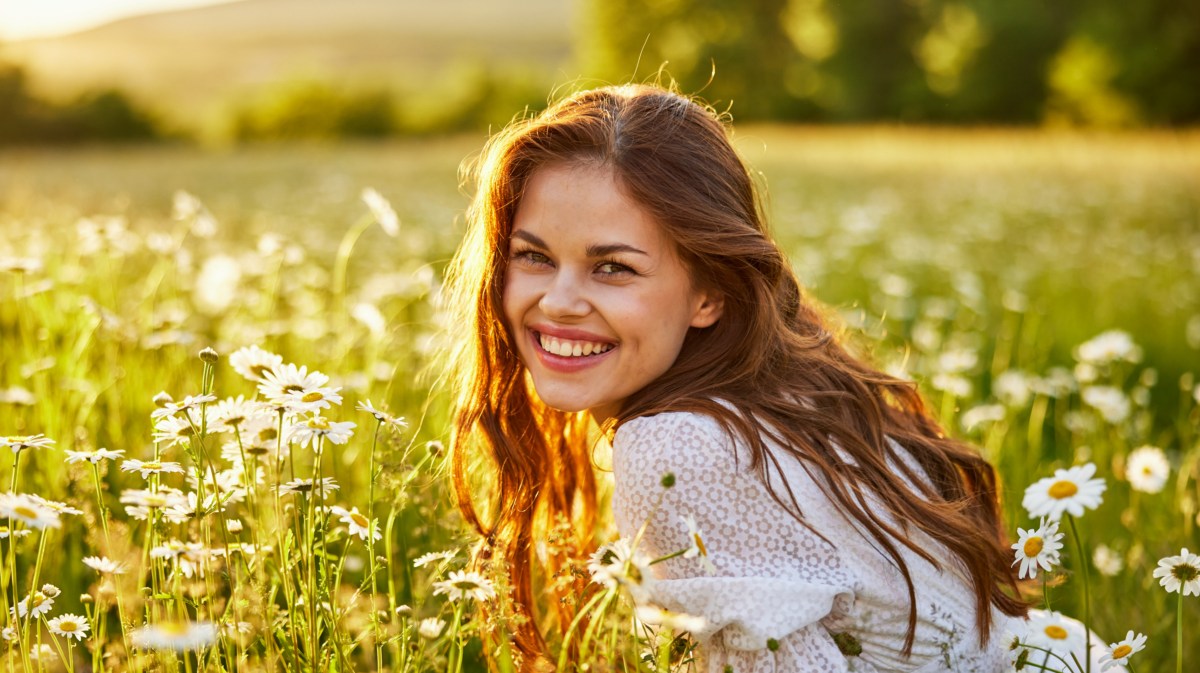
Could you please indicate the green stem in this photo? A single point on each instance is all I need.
(1087, 594)
(1179, 634)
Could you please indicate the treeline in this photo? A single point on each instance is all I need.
(104, 115)
(475, 98)
(1089, 62)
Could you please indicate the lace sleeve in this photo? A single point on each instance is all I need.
(774, 578)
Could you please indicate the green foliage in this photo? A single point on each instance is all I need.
(473, 97)
(1079, 61)
(105, 115)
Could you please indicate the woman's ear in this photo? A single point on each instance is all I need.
(709, 308)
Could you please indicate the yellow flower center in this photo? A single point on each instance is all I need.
(1063, 489)
(1056, 632)
(314, 396)
(68, 627)
(292, 388)
(152, 465)
(1033, 546)
(466, 585)
(267, 434)
(318, 423)
(259, 371)
(1185, 572)
(1121, 651)
(700, 544)
(24, 512)
(359, 519)
(37, 599)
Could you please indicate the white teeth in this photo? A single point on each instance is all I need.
(571, 349)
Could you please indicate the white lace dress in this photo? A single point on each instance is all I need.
(776, 579)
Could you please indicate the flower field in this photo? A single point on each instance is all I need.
(220, 399)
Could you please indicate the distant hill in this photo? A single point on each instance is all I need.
(193, 63)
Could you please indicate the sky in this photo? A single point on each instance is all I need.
(20, 19)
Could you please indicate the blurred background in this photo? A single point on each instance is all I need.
(999, 199)
(221, 72)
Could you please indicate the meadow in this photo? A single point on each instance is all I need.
(1041, 287)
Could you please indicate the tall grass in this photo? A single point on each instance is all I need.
(982, 264)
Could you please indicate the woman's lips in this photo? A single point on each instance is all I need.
(569, 363)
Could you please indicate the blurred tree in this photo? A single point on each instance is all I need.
(307, 109)
(732, 52)
(98, 116)
(1154, 46)
(874, 72)
(1105, 62)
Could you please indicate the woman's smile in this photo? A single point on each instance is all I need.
(595, 295)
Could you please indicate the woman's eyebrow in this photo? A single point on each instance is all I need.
(594, 250)
(610, 248)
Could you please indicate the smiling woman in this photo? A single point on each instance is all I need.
(617, 275)
(596, 297)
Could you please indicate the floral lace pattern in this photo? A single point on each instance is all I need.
(777, 579)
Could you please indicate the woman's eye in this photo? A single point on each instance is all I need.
(614, 269)
(530, 257)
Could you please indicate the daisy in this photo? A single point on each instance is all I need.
(676, 621)
(1037, 547)
(69, 626)
(1107, 560)
(465, 585)
(1111, 402)
(42, 654)
(19, 443)
(177, 636)
(104, 565)
(358, 523)
(433, 557)
(617, 563)
(169, 549)
(1050, 631)
(1108, 347)
(229, 414)
(27, 510)
(303, 486)
(186, 404)
(37, 603)
(94, 456)
(296, 389)
(175, 430)
(254, 363)
(697, 549)
(382, 416)
(1118, 653)
(431, 628)
(1147, 469)
(259, 435)
(148, 467)
(1071, 490)
(1180, 573)
(56, 506)
(308, 431)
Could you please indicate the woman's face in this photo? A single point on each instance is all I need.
(594, 295)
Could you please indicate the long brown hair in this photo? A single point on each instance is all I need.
(770, 350)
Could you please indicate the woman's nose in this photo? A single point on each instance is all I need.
(564, 297)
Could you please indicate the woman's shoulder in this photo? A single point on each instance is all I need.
(696, 436)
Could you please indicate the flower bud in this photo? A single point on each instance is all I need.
(162, 399)
(668, 480)
(209, 355)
